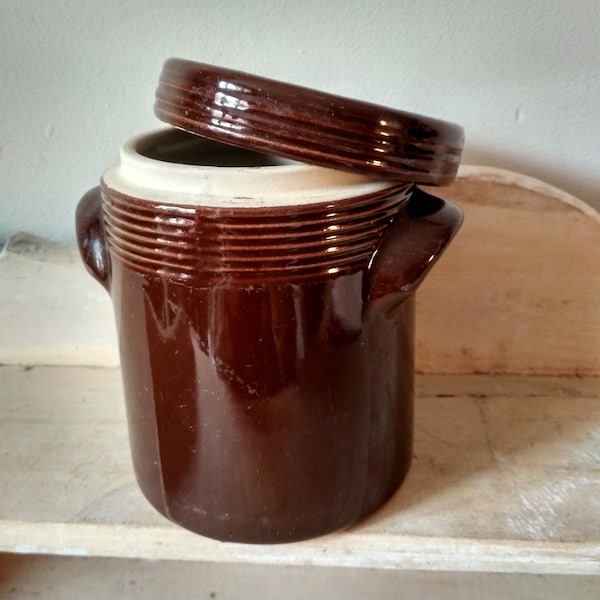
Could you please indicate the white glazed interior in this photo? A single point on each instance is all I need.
(285, 183)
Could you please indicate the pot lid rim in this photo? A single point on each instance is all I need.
(307, 125)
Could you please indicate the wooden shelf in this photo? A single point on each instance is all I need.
(506, 473)
(505, 479)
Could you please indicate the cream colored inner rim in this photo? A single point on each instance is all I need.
(156, 166)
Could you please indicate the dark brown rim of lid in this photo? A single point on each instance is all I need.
(307, 125)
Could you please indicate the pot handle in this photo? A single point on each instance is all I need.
(91, 236)
(419, 234)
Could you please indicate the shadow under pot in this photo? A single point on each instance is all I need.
(265, 317)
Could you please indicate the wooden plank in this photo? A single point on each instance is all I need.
(518, 289)
(505, 476)
(51, 311)
(56, 578)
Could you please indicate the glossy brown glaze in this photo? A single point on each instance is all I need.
(307, 125)
(268, 368)
(211, 244)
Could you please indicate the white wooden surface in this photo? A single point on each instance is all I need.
(51, 311)
(506, 478)
(518, 289)
(65, 578)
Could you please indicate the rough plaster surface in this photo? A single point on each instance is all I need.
(78, 78)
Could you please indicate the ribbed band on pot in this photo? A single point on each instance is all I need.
(206, 245)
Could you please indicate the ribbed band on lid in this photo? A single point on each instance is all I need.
(310, 126)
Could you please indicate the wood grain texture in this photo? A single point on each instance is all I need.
(505, 476)
(518, 290)
(51, 310)
(25, 577)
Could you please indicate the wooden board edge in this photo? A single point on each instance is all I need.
(507, 177)
(347, 550)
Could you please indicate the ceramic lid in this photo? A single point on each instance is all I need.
(307, 125)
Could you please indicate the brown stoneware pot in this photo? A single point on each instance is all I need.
(265, 314)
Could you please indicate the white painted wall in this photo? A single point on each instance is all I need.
(78, 77)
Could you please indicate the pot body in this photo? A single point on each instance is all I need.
(266, 350)
(268, 413)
